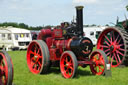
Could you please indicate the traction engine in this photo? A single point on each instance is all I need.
(65, 47)
(114, 42)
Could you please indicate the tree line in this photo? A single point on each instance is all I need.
(20, 25)
(25, 26)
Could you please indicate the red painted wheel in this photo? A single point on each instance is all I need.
(38, 57)
(68, 64)
(99, 59)
(6, 69)
(114, 42)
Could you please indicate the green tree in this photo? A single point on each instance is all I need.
(106, 25)
(22, 25)
(127, 7)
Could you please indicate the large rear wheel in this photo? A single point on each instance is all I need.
(114, 42)
(38, 57)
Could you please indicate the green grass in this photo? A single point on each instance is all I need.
(22, 76)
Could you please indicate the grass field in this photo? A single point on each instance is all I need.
(22, 76)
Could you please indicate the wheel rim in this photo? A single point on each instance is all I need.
(98, 65)
(66, 65)
(34, 57)
(3, 70)
(12, 70)
(112, 43)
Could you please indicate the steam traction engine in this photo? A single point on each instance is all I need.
(66, 47)
(114, 42)
(6, 69)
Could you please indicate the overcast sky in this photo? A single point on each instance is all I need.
(52, 12)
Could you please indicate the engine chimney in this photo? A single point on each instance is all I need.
(79, 20)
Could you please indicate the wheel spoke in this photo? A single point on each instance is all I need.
(95, 68)
(70, 61)
(107, 50)
(37, 60)
(39, 64)
(100, 69)
(107, 43)
(33, 59)
(101, 61)
(67, 71)
(107, 38)
(35, 49)
(119, 52)
(121, 49)
(116, 39)
(38, 51)
(39, 68)
(66, 59)
(116, 58)
(35, 67)
(94, 59)
(33, 64)
(121, 45)
(71, 67)
(119, 41)
(31, 52)
(104, 46)
(112, 60)
(108, 53)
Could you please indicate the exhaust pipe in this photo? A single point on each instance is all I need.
(79, 20)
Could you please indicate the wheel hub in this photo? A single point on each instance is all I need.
(111, 48)
(35, 57)
(67, 65)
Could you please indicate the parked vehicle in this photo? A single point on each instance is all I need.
(93, 33)
(114, 42)
(14, 38)
(67, 48)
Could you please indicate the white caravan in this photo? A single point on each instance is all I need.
(93, 33)
(14, 38)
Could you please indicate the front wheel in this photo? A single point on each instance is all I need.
(68, 64)
(99, 60)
